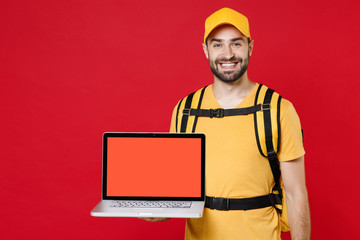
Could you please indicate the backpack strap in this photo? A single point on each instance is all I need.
(220, 112)
(267, 126)
(189, 109)
(186, 121)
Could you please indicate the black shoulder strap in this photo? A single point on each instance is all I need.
(185, 117)
(268, 133)
(177, 115)
(198, 107)
(186, 114)
(271, 154)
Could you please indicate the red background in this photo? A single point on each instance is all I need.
(70, 70)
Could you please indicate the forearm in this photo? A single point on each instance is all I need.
(293, 176)
(299, 216)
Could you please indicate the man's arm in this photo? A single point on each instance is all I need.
(293, 176)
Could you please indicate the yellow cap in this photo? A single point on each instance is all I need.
(227, 16)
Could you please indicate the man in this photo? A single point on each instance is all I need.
(234, 167)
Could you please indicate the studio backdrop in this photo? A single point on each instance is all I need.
(71, 70)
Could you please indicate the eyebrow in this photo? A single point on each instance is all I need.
(221, 40)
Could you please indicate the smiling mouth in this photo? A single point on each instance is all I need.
(228, 65)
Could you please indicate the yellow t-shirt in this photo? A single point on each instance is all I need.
(236, 169)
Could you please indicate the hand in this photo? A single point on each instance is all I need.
(150, 219)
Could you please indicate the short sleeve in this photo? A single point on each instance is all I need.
(291, 134)
(173, 119)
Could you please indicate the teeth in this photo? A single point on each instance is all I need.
(228, 64)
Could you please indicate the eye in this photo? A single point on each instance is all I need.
(237, 44)
(217, 45)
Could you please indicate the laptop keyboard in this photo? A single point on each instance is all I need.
(149, 204)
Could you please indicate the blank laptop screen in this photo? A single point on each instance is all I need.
(153, 167)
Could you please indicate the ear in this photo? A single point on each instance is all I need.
(251, 47)
(205, 50)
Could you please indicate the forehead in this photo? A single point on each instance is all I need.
(226, 32)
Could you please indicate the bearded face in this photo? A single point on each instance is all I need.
(229, 70)
(228, 52)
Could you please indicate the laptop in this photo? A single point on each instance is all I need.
(152, 175)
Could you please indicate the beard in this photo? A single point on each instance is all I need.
(229, 76)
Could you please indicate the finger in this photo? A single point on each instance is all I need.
(155, 219)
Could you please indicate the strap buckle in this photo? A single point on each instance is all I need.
(186, 111)
(219, 113)
(265, 107)
(272, 155)
(272, 199)
(219, 203)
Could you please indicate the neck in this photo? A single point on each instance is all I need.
(229, 95)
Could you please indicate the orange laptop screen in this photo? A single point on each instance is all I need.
(153, 165)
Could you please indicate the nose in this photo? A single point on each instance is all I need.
(228, 52)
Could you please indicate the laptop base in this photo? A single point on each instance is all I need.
(103, 210)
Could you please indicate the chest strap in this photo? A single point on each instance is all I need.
(220, 112)
(226, 204)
